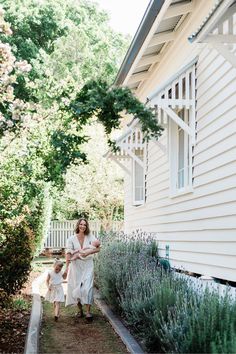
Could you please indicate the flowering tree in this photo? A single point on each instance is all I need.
(12, 110)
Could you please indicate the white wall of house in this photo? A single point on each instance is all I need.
(200, 226)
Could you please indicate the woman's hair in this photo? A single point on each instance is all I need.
(58, 262)
(87, 231)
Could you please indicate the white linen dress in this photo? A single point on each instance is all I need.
(56, 293)
(81, 273)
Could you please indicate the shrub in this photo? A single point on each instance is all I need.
(16, 254)
(166, 310)
(117, 264)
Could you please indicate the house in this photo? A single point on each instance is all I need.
(182, 188)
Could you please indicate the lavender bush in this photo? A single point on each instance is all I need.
(166, 312)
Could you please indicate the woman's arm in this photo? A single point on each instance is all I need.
(68, 257)
(69, 252)
(47, 281)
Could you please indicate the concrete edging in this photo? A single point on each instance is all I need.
(129, 341)
(32, 337)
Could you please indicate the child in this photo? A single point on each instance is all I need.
(55, 293)
(78, 254)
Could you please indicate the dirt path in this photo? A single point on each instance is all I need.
(70, 335)
(76, 336)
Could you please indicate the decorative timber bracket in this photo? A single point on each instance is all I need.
(218, 30)
(128, 144)
(174, 97)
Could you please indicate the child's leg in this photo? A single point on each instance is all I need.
(57, 308)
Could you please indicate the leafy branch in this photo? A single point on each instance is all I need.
(97, 99)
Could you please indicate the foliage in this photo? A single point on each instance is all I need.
(61, 154)
(129, 260)
(95, 188)
(168, 311)
(65, 43)
(16, 255)
(210, 323)
(108, 104)
(22, 191)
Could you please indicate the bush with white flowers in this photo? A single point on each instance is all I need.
(12, 110)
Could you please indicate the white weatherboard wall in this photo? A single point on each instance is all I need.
(199, 227)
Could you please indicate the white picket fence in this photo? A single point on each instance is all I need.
(59, 231)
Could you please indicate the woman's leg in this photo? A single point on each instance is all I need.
(80, 309)
(89, 316)
(87, 309)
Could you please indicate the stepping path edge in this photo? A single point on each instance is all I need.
(32, 337)
(131, 344)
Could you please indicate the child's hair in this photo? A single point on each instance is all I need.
(58, 262)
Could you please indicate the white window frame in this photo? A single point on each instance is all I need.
(174, 129)
(176, 94)
(135, 164)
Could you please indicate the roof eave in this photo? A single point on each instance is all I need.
(146, 24)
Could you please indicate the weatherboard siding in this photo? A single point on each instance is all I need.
(199, 227)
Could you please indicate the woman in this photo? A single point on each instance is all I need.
(81, 273)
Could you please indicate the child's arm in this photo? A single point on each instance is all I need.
(64, 275)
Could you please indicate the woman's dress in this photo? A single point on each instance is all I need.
(81, 273)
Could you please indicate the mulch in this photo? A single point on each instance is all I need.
(13, 324)
(14, 321)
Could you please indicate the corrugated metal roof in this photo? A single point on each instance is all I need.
(216, 6)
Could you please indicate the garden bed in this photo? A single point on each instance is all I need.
(14, 323)
(14, 319)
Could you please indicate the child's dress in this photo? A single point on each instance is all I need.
(56, 293)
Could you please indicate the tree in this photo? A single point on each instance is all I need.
(109, 104)
(12, 110)
(65, 42)
(94, 189)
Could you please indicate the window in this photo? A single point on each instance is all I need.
(133, 147)
(174, 106)
(138, 178)
(180, 154)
